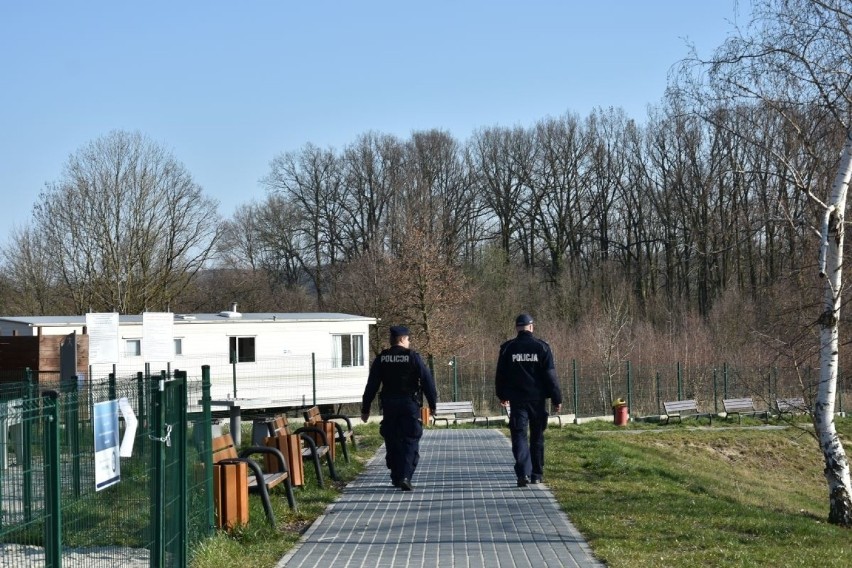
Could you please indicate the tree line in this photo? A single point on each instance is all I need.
(694, 216)
(676, 212)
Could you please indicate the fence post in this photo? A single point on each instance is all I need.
(725, 380)
(72, 429)
(679, 382)
(52, 482)
(111, 386)
(158, 459)
(455, 380)
(629, 389)
(234, 371)
(314, 376)
(142, 406)
(659, 394)
(715, 392)
(207, 441)
(179, 417)
(28, 413)
(576, 393)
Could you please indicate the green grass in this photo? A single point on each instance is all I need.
(642, 495)
(685, 496)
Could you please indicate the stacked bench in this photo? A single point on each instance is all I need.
(455, 411)
(225, 454)
(681, 409)
(743, 407)
(796, 405)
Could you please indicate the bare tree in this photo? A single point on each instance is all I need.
(500, 159)
(430, 292)
(373, 175)
(125, 228)
(311, 180)
(439, 194)
(33, 283)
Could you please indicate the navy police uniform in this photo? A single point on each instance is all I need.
(404, 379)
(525, 378)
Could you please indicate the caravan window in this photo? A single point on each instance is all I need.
(132, 347)
(348, 351)
(243, 348)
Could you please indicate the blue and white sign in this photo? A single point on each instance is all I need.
(107, 464)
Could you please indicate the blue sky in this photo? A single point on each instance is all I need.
(227, 86)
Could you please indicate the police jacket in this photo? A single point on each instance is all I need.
(400, 373)
(525, 370)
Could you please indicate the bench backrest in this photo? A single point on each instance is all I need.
(223, 448)
(280, 426)
(454, 407)
(680, 406)
(797, 403)
(738, 404)
(313, 414)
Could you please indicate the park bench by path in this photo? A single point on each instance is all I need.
(795, 405)
(742, 407)
(455, 411)
(329, 423)
(312, 450)
(681, 409)
(224, 452)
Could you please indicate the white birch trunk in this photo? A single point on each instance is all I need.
(831, 266)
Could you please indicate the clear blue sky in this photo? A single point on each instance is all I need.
(227, 86)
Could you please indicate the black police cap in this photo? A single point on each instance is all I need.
(523, 319)
(399, 331)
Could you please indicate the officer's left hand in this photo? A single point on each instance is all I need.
(364, 418)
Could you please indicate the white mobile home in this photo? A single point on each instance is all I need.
(292, 358)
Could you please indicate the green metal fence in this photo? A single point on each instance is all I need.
(50, 509)
(589, 389)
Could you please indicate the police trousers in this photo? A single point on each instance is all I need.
(401, 429)
(528, 451)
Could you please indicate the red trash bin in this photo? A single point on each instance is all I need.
(619, 413)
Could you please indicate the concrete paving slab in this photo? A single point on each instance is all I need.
(465, 510)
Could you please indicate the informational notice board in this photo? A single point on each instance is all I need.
(107, 464)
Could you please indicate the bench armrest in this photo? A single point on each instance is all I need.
(252, 465)
(338, 417)
(282, 463)
(314, 431)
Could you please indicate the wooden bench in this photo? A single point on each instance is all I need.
(328, 422)
(278, 426)
(742, 407)
(681, 409)
(791, 406)
(456, 411)
(224, 452)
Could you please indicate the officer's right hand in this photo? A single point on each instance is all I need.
(364, 418)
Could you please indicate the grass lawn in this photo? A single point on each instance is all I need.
(642, 495)
(720, 496)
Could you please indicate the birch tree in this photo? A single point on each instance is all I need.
(795, 59)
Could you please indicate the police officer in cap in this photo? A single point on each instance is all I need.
(403, 379)
(525, 378)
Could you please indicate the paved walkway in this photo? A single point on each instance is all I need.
(465, 510)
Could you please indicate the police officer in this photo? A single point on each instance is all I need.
(403, 379)
(525, 378)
